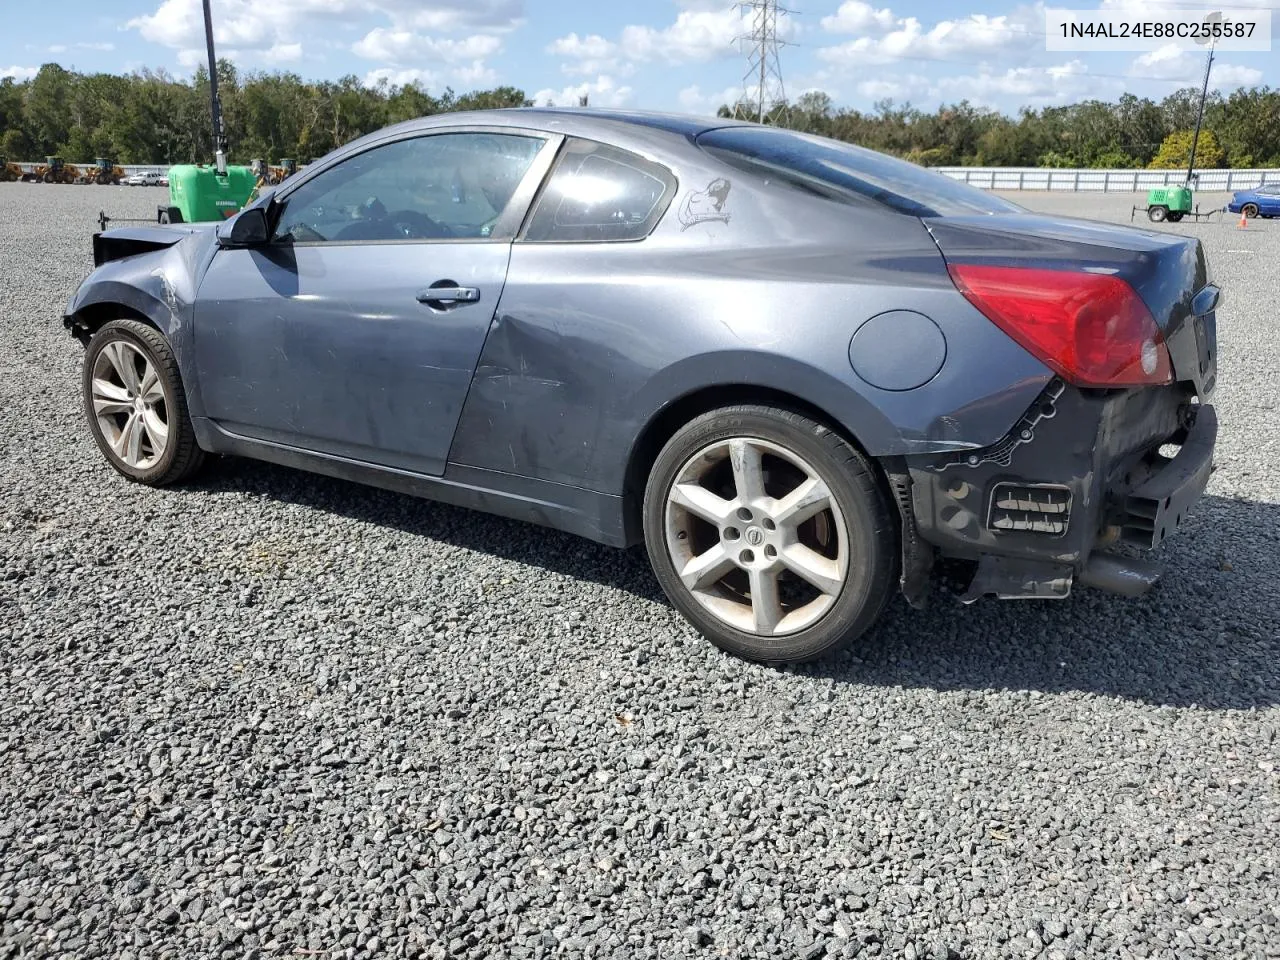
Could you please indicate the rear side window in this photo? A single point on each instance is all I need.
(842, 172)
(600, 193)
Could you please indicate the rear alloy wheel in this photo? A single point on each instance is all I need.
(1157, 214)
(135, 404)
(769, 532)
(1250, 211)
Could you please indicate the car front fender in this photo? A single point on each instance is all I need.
(159, 287)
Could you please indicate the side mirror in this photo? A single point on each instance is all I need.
(248, 228)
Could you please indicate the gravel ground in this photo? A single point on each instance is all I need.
(275, 714)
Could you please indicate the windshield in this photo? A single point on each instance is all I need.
(840, 171)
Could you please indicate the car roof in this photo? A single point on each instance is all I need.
(578, 121)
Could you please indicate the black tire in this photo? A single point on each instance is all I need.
(164, 216)
(182, 456)
(1157, 214)
(869, 527)
(1174, 216)
(1250, 211)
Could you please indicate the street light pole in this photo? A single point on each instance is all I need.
(1195, 139)
(215, 105)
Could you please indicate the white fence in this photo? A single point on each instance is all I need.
(1021, 178)
(1122, 181)
(129, 168)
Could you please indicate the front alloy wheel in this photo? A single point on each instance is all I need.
(769, 533)
(135, 404)
(129, 404)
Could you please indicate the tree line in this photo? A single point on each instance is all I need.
(153, 117)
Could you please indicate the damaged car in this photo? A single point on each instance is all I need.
(803, 375)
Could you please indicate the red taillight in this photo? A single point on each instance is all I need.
(1091, 328)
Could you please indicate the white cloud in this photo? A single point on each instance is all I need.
(591, 47)
(283, 53)
(703, 31)
(476, 74)
(104, 47)
(1171, 63)
(275, 32)
(902, 88)
(693, 100)
(58, 48)
(399, 78)
(978, 35)
(1230, 75)
(19, 73)
(193, 57)
(854, 16)
(403, 47)
(1064, 82)
(589, 55)
(603, 92)
(446, 15)
(697, 36)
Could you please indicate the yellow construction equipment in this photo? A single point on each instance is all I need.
(105, 172)
(283, 172)
(9, 172)
(53, 170)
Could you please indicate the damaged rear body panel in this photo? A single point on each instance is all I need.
(1083, 468)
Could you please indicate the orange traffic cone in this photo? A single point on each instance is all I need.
(1244, 223)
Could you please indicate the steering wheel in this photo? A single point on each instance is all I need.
(302, 232)
(414, 225)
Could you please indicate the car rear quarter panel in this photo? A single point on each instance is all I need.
(590, 342)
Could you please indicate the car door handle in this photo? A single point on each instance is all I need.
(434, 295)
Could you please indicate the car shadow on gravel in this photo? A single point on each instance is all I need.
(1208, 635)
(513, 540)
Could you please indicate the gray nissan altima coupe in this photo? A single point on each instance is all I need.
(801, 373)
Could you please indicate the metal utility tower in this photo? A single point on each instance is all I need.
(764, 71)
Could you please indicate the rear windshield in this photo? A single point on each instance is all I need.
(841, 171)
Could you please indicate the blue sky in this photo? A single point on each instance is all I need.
(663, 54)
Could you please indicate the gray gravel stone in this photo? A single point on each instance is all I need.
(271, 714)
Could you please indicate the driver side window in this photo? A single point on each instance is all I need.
(452, 185)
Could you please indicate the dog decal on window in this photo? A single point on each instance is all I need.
(701, 206)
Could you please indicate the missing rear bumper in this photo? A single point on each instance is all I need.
(1030, 521)
(1155, 508)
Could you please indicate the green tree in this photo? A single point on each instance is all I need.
(1175, 152)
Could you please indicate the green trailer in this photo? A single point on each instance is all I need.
(1172, 204)
(198, 193)
(1168, 203)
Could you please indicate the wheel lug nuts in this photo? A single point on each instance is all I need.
(744, 514)
(731, 533)
(768, 524)
(746, 556)
(770, 551)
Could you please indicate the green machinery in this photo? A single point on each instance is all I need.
(199, 193)
(1168, 203)
(1174, 203)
